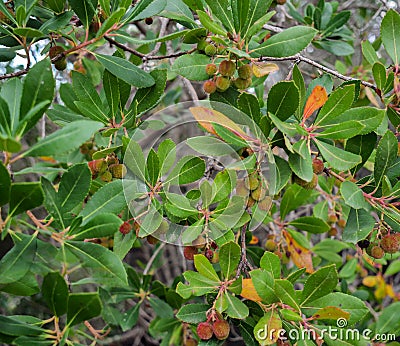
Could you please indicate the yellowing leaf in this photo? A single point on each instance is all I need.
(316, 100)
(331, 313)
(206, 117)
(370, 281)
(261, 69)
(254, 240)
(299, 254)
(249, 291)
(267, 329)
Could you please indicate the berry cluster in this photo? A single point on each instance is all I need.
(61, 63)
(107, 168)
(390, 243)
(223, 76)
(202, 245)
(219, 328)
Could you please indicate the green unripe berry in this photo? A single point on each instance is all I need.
(211, 69)
(210, 50)
(201, 45)
(227, 68)
(222, 83)
(377, 252)
(242, 84)
(245, 71)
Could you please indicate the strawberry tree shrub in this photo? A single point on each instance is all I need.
(279, 195)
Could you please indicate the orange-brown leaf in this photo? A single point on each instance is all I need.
(206, 117)
(300, 256)
(249, 291)
(261, 69)
(316, 100)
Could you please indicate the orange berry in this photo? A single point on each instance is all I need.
(204, 331)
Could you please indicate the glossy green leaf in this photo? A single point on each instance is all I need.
(386, 154)
(256, 15)
(55, 293)
(379, 72)
(193, 313)
(284, 290)
(390, 26)
(11, 326)
(389, 320)
(236, 308)
(310, 224)
(222, 10)
(85, 10)
(369, 52)
(64, 140)
(125, 70)
(359, 224)
(353, 195)
(337, 158)
(192, 67)
(362, 145)
(205, 268)
(83, 307)
(5, 185)
(229, 257)
(342, 130)
(286, 43)
(101, 225)
(319, 284)
(283, 99)
(271, 263)
(301, 162)
(105, 267)
(263, 331)
(264, 284)
(209, 24)
(24, 196)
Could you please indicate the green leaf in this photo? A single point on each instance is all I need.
(148, 98)
(55, 293)
(106, 268)
(40, 79)
(134, 160)
(64, 140)
(179, 205)
(284, 290)
(223, 185)
(338, 102)
(353, 195)
(359, 224)
(193, 313)
(280, 175)
(248, 104)
(161, 308)
(390, 27)
(209, 24)
(187, 170)
(205, 268)
(24, 196)
(271, 263)
(26, 286)
(9, 144)
(362, 145)
(369, 52)
(337, 158)
(301, 162)
(74, 186)
(379, 73)
(145, 9)
(286, 43)
(111, 90)
(125, 70)
(198, 285)
(319, 284)
(264, 284)
(83, 307)
(236, 308)
(222, 10)
(386, 154)
(263, 331)
(208, 145)
(130, 317)
(109, 199)
(389, 319)
(310, 224)
(348, 303)
(369, 117)
(257, 12)
(294, 196)
(336, 22)
(102, 225)
(5, 185)
(11, 326)
(152, 167)
(283, 99)
(192, 67)
(16, 263)
(342, 130)
(84, 9)
(28, 32)
(229, 257)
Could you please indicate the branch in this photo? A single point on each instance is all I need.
(299, 57)
(21, 72)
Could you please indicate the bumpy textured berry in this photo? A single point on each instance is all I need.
(221, 329)
(333, 232)
(97, 166)
(341, 223)
(281, 2)
(151, 240)
(222, 83)
(55, 50)
(245, 71)
(227, 68)
(210, 50)
(270, 245)
(189, 252)
(259, 193)
(125, 228)
(201, 45)
(307, 185)
(211, 69)
(199, 242)
(242, 83)
(61, 64)
(117, 170)
(204, 331)
(332, 218)
(106, 176)
(209, 87)
(318, 166)
(363, 244)
(253, 181)
(377, 252)
(209, 254)
(390, 243)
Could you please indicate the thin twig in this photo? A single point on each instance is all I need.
(191, 90)
(299, 57)
(152, 259)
